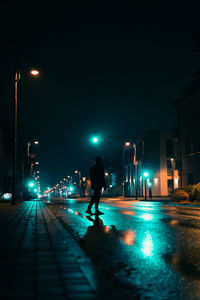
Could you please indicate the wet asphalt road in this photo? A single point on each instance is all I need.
(149, 250)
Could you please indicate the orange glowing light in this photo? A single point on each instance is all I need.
(128, 237)
(128, 212)
(34, 72)
(174, 222)
(106, 229)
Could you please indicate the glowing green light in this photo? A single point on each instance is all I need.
(35, 190)
(149, 184)
(31, 184)
(71, 188)
(94, 139)
(48, 188)
(146, 174)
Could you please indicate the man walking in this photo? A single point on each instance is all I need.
(97, 182)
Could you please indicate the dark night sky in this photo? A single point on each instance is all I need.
(115, 70)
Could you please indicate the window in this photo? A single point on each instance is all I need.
(169, 167)
(188, 147)
(169, 148)
(170, 183)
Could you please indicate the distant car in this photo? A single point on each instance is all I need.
(6, 196)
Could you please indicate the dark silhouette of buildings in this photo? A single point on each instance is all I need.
(188, 108)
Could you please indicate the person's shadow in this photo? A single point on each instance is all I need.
(98, 235)
(97, 222)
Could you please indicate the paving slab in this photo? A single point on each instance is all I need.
(39, 259)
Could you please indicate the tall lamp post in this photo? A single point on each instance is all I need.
(133, 161)
(146, 175)
(29, 145)
(172, 164)
(33, 72)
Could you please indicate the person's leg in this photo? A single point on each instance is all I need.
(97, 198)
(91, 202)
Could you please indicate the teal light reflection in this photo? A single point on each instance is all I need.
(147, 245)
(146, 217)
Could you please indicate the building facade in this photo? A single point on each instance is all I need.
(188, 108)
(156, 156)
(2, 179)
(161, 162)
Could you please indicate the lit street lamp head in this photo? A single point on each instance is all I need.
(95, 139)
(34, 72)
(146, 174)
(31, 184)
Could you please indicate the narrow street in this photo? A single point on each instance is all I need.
(148, 250)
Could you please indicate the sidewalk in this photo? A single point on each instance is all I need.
(40, 259)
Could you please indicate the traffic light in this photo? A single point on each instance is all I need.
(31, 184)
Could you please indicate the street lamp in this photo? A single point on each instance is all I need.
(145, 175)
(31, 184)
(34, 72)
(29, 145)
(172, 164)
(28, 154)
(131, 146)
(16, 80)
(94, 139)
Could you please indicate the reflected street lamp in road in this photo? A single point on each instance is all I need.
(34, 73)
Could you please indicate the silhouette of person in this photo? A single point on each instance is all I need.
(97, 182)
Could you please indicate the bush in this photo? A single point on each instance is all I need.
(193, 191)
(180, 195)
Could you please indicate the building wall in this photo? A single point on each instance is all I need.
(188, 118)
(159, 158)
(151, 160)
(1, 161)
(160, 161)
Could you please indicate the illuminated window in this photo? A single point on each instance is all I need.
(155, 180)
